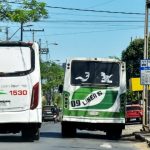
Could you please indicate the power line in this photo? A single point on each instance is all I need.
(88, 10)
(93, 21)
(97, 11)
(96, 31)
(86, 15)
(89, 27)
(33, 31)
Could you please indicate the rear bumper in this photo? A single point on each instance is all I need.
(94, 126)
(26, 116)
(17, 127)
(132, 117)
(93, 120)
(48, 117)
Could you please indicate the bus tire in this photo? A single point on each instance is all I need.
(31, 134)
(25, 135)
(68, 130)
(114, 134)
(36, 135)
(63, 130)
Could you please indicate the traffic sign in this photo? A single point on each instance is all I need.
(148, 3)
(145, 71)
(44, 50)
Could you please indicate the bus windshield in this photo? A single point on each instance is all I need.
(85, 73)
(16, 60)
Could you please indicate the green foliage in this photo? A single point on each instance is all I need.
(30, 10)
(114, 57)
(130, 96)
(52, 76)
(58, 99)
(5, 10)
(43, 101)
(133, 96)
(132, 56)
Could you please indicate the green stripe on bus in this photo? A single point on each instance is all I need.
(1, 93)
(107, 102)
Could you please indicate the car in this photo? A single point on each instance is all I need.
(47, 113)
(134, 111)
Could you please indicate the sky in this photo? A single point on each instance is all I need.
(85, 28)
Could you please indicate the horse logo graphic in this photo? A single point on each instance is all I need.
(106, 78)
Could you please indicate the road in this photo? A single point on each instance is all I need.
(51, 140)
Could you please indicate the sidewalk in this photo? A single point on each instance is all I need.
(143, 136)
(136, 130)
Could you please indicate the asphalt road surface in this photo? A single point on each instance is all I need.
(51, 140)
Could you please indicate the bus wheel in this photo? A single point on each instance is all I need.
(36, 134)
(114, 134)
(31, 134)
(63, 130)
(26, 135)
(68, 130)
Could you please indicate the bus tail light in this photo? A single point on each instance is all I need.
(35, 96)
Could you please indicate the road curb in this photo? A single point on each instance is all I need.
(139, 136)
(143, 136)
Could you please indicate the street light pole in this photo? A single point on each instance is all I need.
(145, 89)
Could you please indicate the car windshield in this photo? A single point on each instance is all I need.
(133, 108)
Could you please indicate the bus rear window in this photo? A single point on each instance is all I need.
(93, 72)
(16, 60)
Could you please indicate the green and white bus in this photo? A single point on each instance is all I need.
(94, 96)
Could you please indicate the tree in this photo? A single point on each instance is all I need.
(52, 76)
(29, 10)
(132, 56)
(133, 96)
(114, 57)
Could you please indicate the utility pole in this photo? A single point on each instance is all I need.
(33, 30)
(43, 50)
(7, 38)
(21, 28)
(145, 89)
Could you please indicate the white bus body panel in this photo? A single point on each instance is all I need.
(16, 91)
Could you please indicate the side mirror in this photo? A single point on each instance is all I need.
(60, 88)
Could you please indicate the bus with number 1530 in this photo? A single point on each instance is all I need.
(20, 89)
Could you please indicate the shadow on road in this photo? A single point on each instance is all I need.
(84, 135)
(16, 138)
(50, 134)
(13, 139)
(91, 136)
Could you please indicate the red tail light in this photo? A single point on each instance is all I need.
(35, 96)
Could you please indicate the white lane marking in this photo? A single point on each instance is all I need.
(106, 145)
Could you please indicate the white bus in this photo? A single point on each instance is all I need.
(20, 89)
(94, 96)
